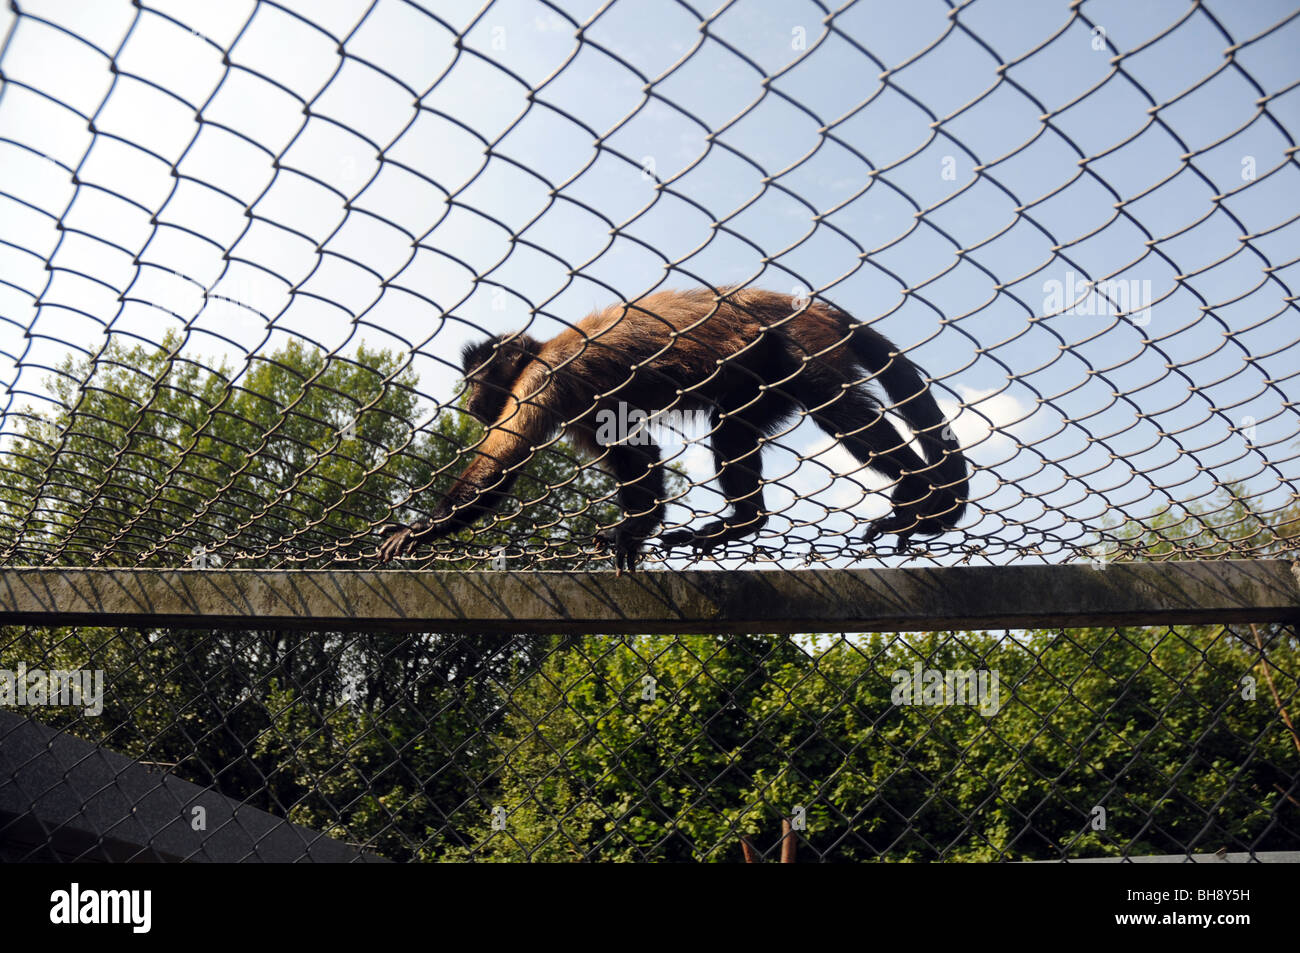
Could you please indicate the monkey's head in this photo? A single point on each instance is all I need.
(491, 369)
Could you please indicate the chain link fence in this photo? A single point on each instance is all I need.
(243, 247)
(1044, 744)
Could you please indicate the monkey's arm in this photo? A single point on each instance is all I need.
(453, 513)
(477, 492)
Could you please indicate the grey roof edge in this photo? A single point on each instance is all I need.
(67, 798)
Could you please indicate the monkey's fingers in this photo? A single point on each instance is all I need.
(631, 553)
(402, 542)
(393, 545)
(404, 539)
(607, 544)
(625, 549)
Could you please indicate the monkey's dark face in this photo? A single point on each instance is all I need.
(491, 369)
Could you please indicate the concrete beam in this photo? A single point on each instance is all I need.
(768, 601)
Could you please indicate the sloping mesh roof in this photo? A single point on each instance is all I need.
(241, 249)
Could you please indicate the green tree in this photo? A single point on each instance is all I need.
(151, 456)
(1150, 724)
(655, 747)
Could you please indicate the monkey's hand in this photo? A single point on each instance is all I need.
(402, 540)
(626, 548)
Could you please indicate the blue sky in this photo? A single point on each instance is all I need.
(463, 169)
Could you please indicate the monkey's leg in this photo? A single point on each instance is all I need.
(737, 453)
(857, 423)
(641, 492)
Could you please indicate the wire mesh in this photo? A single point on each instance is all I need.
(242, 248)
(244, 245)
(1052, 744)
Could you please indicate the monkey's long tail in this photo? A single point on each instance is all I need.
(913, 400)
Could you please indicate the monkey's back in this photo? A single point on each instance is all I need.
(645, 351)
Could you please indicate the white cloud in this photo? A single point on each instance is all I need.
(988, 423)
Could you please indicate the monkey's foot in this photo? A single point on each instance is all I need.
(679, 537)
(401, 541)
(625, 548)
(703, 541)
(900, 525)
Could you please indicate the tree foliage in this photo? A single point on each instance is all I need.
(664, 747)
(150, 456)
(1150, 724)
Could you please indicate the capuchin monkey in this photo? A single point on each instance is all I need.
(751, 359)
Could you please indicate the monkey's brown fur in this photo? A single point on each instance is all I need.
(748, 357)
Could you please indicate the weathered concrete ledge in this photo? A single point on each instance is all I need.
(774, 601)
